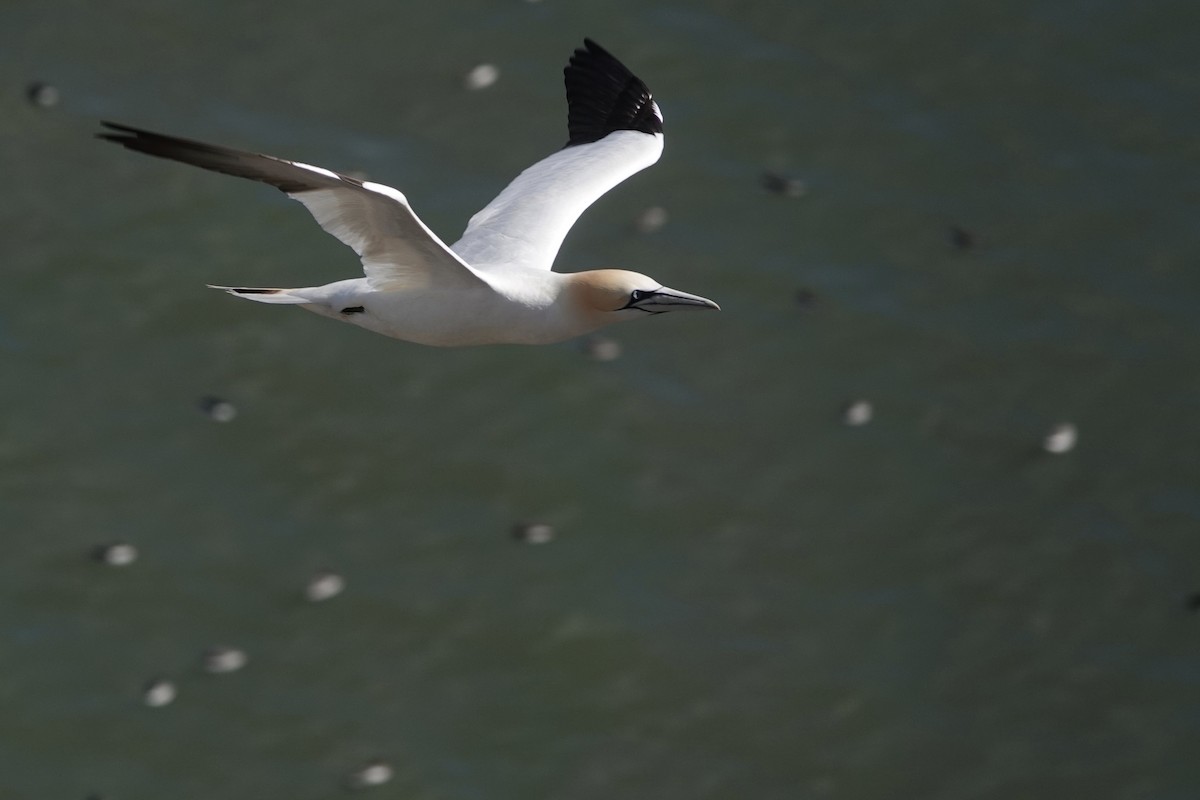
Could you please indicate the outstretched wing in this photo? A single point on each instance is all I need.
(397, 250)
(615, 130)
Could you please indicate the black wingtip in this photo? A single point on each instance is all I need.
(604, 96)
(122, 132)
(284, 175)
(119, 133)
(142, 140)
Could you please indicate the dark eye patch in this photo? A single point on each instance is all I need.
(636, 296)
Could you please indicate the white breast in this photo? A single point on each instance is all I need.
(521, 307)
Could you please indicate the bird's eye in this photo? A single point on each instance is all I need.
(637, 296)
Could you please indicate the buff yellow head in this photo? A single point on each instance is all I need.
(616, 294)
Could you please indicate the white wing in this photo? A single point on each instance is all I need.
(527, 222)
(397, 250)
(615, 130)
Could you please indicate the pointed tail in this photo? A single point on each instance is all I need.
(280, 296)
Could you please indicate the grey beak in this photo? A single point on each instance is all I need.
(662, 300)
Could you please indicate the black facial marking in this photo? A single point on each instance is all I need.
(353, 310)
(637, 296)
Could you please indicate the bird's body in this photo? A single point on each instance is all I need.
(495, 284)
(515, 306)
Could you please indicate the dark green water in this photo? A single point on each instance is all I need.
(745, 598)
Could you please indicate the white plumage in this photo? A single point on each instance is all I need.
(494, 285)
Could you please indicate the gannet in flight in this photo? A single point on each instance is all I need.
(495, 284)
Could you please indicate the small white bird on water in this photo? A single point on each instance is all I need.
(495, 284)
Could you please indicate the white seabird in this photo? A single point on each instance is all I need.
(495, 284)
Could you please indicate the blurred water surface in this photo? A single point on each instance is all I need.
(745, 598)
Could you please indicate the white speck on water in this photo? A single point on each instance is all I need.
(118, 554)
(533, 532)
(858, 413)
(651, 219)
(43, 95)
(323, 586)
(1061, 439)
(375, 773)
(218, 410)
(159, 693)
(601, 348)
(218, 660)
(481, 77)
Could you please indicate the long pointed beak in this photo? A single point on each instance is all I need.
(662, 300)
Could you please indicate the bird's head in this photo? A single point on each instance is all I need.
(616, 294)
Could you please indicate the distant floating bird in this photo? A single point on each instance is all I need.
(323, 586)
(159, 692)
(533, 532)
(961, 238)
(1061, 438)
(118, 554)
(222, 659)
(42, 95)
(218, 410)
(495, 284)
(650, 220)
(785, 185)
(481, 77)
(375, 773)
(858, 413)
(602, 348)
(805, 297)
